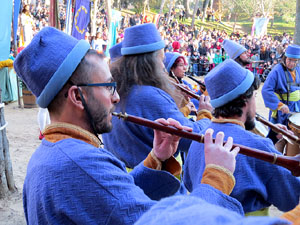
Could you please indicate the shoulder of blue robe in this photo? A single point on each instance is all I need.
(185, 210)
(274, 82)
(74, 181)
(131, 143)
(263, 180)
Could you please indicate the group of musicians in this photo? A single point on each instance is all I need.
(70, 179)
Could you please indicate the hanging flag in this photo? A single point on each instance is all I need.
(259, 27)
(81, 18)
(5, 28)
(112, 36)
(69, 17)
(17, 4)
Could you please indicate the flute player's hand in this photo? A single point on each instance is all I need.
(164, 144)
(217, 153)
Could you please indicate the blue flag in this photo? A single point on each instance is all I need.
(5, 28)
(112, 36)
(81, 18)
(17, 4)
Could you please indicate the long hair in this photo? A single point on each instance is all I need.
(235, 107)
(283, 61)
(141, 69)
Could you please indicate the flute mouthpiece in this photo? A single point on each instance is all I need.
(120, 115)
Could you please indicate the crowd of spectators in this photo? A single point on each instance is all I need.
(202, 48)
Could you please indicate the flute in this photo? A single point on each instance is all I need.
(294, 138)
(197, 81)
(187, 91)
(290, 163)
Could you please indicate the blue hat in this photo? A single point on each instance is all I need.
(115, 52)
(233, 49)
(170, 58)
(226, 82)
(293, 51)
(141, 39)
(47, 63)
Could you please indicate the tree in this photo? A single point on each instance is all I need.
(194, 13)
(205, 5)
(188, 11)
(7, 184)
(162, 6)
(297, 26)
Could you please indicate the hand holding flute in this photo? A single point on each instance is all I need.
(217, 153)
(290, 163)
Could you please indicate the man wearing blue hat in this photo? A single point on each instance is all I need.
(281, 90)
(236, 52)
(115, 52)
(145, 90)
(70, 179)
(259, 184)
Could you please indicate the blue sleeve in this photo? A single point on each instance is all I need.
(283, 189)
(268, 91)
(164, 106)
(156, 184)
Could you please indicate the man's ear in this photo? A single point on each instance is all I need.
(75, 98)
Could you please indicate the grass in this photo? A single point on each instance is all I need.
(244, 26)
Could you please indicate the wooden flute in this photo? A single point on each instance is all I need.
(187, 91)
(290, 163)
(294, 138)
(198, 82)
(182, 88)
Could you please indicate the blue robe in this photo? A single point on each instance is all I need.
(258, 184)
(132, 143)
(276, 82)
(72, 182)
(189, 210)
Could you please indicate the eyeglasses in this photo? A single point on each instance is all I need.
(111, 87)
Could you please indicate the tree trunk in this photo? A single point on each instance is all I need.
(188, 11)
(205, 5)
(7, 184)
(162, 7)
(94, 18)
(297, 26)
(194, 13)
(170, 9)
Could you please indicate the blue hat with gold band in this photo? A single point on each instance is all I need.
(141, 39)
(170, 58)
(115, 52)
(47, 63)
(226, 82)
(293, 51)
(233, 49)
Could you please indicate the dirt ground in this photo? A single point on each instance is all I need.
(22, 133)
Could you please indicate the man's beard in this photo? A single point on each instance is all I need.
(99, 116)
(250, 123)
(245, 62)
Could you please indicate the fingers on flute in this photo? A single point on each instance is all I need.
(219, 138)
(208, 136)
(162, 121)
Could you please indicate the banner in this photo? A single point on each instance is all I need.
(5, 28)
(17, 4)
(81, 18)
(149, 17)
(69, 17)
(112, 36)
(259, 27)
